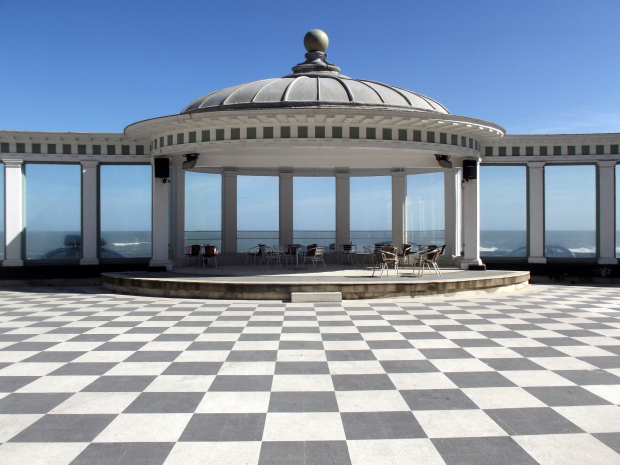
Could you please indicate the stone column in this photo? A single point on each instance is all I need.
(90, 212)
(606, 212)
(452, 201)
(343, 208)
(229, 211)
(286, 208)
(161, 222)
(471, 222)
(178, 214)
(399, 208)
(536, 212)
(14, 212)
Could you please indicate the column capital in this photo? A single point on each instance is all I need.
(343, 174)
(606, 163)
(398, 173)
(230, 172)
(285, 174)
(535, 164)
(13, 163)
(89, 163)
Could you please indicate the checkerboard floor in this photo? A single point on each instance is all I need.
(89, 377)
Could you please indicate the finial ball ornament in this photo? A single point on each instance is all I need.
(316, 41)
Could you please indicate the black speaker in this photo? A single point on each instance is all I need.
(162, 168)
(470, 171)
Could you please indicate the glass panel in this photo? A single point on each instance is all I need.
(2, 235)
(425, 209)
(617, 210)
(503, 211)
(570, 211)
(203, 208)
(125, 203)
(371, 210)
(314, 211)
(53, 212)
(258, 203)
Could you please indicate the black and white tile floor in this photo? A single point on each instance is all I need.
(89, 377)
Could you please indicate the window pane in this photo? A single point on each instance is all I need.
(258, 203)
(2, 233)
(570, 212)
(314, 211)
(203, 208)
(125, 211)
(371, 210)
(503, 211)
(53, 212)
(425, 209)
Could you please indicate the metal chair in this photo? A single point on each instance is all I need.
(192, 251)
(317, 256)
(253, 252)
(427, 259)
(383, 258)
(404, 254)
(210, 251)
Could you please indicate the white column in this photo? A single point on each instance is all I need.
(606, 193)
(90, 212)
(343, 208)
(286, 208)
(452, 212)
(229, 211)
(178, 214)
(471, 222)
(14, 212)
(161, 221)
(536, 212)
(399, 207)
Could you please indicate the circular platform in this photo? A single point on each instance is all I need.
(262, 283)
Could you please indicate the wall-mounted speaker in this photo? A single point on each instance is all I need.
(162, 168)
(470, 170)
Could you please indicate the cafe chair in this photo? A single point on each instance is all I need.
(192, 251)
(383, 259)
(315, 257)
(210, 251)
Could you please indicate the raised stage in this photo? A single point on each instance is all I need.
(266, 283)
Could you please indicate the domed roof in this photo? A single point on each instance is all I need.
(314, 83)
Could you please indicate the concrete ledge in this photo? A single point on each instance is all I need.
(304, 297)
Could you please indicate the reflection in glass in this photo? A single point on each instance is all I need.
(203, 208)
(2, 232)
(425, 209)
(371, 210)
(258, 202)
(503, 211)
(314, 210)
(570, 211)
(53, 212)
(125, 203)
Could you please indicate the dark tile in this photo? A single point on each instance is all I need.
(176, 337)
(124, 453)
(501, 334)
(119, 384)
(479, 379)
(83, 369)
(68, 330)
(589, 377)
(165, 402)
(557, 396)
(362, 382)
(302, 368)
(166, 318)
(482, 451)
(147, 330)
(611, 440)
(376, 329)
(93, 337)
(408, 366)
(448, 328)
(304, 453)
(211, 345)
(54, 357)
(522, 421)
(559, 341)
(252, 356)
(193, 368)
(65, 428)
(366, 317)
(381, 425)
(303, 402)
(15, 337)
(13, 383)
(300, 345)
(577, 333)
(512, 364)
(29, 346)
(389, 345)
(422, 335)
(349, 355)
(192, 324)
(241, 383)
(233, 318)
(260, 337)
(445, 353)
(153, 356)
(225, 427)
(31, 403)
(603, 362)
(301, 329)
(264, 324)
(341, 337)
(224, 330)
(538, 352)
(475, 343)
(120, 346)
(335, 323)
(121, 324)
(613, 349)
(437, 399)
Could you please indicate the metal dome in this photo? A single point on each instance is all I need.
(314, 83)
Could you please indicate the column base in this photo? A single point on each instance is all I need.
(536, 259)
(607, 261)
(13, 263)
(161, 263)
(89, 261)
(467, 263)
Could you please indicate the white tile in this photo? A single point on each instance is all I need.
(533, 378)
(562, 363)
(593, 418)
(74, 347)
(502, 397)
(234, 402)
(247, 368)
(181, 383)
(394, 452)
(104, 356)
(518, 342)
(345, 345)
(404, 381)
(567, 449)
(58, 384)
(203, 356)
(610, 393)
(302, 383)
(301, 336)
(11, 425)
(30, 369)
(308, 426)
(214, 453)
(96, 402)
(492, 352)
(32, 453)
(366, 367)
(256, 345)
(8, 356)
(398, 354)
(584, 351)
(301, 356)
(137, 368)
(457, 424)
(150, 427)
(433, 344)
(371, 401)
(453, 365)
(173, 346)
